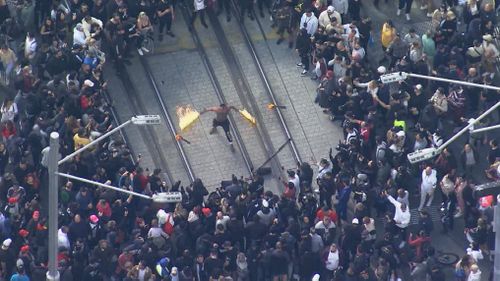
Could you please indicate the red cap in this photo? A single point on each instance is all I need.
(36, 214)
(12, 200)
(25, 248)
(206, 211)
(94, 219)
(23, 232)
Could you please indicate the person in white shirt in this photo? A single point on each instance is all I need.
(325, 18)
(79, 35)
(199, 8)
(87, 22)
(475, 273)
(309, 22)
(427, 187)
(402, 214)
(156, 230)
(332, 260)
(403, 197)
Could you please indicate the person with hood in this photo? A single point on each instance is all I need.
(303, 48)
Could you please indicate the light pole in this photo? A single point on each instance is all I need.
(53, 169)
(431, 152)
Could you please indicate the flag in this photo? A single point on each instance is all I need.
(248, 116)
(187, 116)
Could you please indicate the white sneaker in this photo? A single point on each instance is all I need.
(399, 12)
(429, 15)
(145, 50)
(458, 214)
(299, 64)
(424, 7)
(140, 52)
(408, 17)
(304, 72)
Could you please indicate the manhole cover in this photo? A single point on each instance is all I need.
(447, 258)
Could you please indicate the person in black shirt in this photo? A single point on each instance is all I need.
(494, 152)
(165, 13)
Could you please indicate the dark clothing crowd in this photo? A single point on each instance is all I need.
(323, 225)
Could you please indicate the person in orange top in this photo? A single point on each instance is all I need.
(323, 212)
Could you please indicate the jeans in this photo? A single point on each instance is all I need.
(405, 4)
(202, 17)
(165, 21)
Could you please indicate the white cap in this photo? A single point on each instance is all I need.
(88, 83)
(265, 204)
(316, 277)
(355, 221)
(381, 69)
(330, 9)
(6, 243)
(418, 86)
(400, 134)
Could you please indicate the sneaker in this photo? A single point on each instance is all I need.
(279, 41)
(204, 24)
(458, 214)
(429, 15)
(424, 7)
(303, 73)
(231, 146)
(170, 33)
(299, 64)
(144, 49)
(140, 52)
(398, 12)
(408, 17)
(315, 77)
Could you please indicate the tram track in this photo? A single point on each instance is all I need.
(150, 135)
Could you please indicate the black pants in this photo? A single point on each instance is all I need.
(165, 21)
(305, 60)
(225, 125)
(405, 4)
(202, 17)
(224, 5)
(261, 4)
(246, 6)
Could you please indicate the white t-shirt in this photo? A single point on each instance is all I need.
(332, 262)
(199, 5)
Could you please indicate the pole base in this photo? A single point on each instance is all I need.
(50, 277)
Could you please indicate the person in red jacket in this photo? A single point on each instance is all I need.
(418, 242)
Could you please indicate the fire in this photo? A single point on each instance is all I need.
(187, 116)
(248, 116)
(271, 106)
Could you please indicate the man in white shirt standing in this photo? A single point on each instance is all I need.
(325, 18)
(331, 260)
(427, 187)
(310, 22)
(402, 215)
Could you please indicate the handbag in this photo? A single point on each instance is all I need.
(168, 228)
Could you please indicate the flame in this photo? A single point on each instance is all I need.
(187, 116)
(248, 116)
(271, 106)
(178, 137)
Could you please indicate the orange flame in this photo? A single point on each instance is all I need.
(271, 106)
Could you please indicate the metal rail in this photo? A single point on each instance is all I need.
(218, 91)
(166, 114)
(137, 105)
(266, 83)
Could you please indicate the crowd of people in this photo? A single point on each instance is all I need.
(322, 226)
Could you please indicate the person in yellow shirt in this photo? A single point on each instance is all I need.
(80, 139)
(388, 34)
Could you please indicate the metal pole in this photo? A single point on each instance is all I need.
(87, 146)
(485, 129)
(105, 185)
(53, 273)
(489, 87)
(496, 228)
(466, 128)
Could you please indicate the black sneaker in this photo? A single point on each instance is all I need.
(279, 41)
(204, 24)
(170, 33)
(290, 45)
